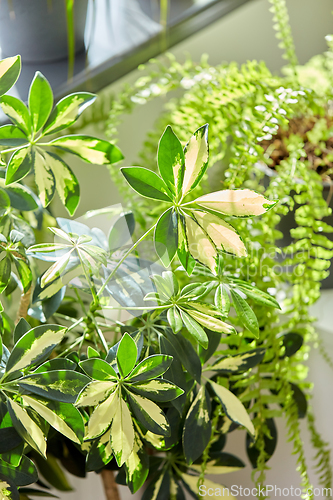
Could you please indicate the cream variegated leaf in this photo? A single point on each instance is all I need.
(122, 433)
(149, 414)
(52, 418)
(222, 234)
(27, 427)
(199, 244)
(215, 469)
(232, 406)
(236, 202)
(44, 178)
(196, 159)
(102, 416)
(210, 322)
(212, 490)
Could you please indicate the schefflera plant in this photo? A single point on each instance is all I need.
(119, 402)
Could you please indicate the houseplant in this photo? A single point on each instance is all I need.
(246, 108)
(69, 394)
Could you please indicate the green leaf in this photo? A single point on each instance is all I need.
(292, 342)
(17, 111)
(67, 111)
(57, 385)
(222, 300)
(171, 161)
(12, 136)
(21, 328)
(56, 364)
(255, 294)
(24, 273)
(100, 453)
(21, 197)
(239, 362)
(40, 101)
(23, 474)
(137, 466)
(146, 183)
(233, 408)
(149, 414)
(196, 159)
(66, 183)
(98, 369)
(126, 355)
(245, 313)
(214, 339)
(203, 314)
(89, 149)
(5, 270)
(20, 164)
(27, 427)
(166, 237)
(102, 416)
(92, 353)
(158, 390)
(10, 69)
(186, 353)
(35, 346)
(63, 417)
(183, 252)
(198, 424)
(122, 433)
(194, 329)
(44, 178)
(174, 319)
(95, 392)
(236, 202)
(150, 368)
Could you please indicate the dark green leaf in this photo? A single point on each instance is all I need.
(22, 475)
(40, 101)
(21, 328)
(187, 354)
(270, 442)
(10, 69)
(22, 198)
(292, 342)
(214, 341)
(166, 237)
(137, 466)
(175, 372)
(300, 400)
(245, 313)
(90, 149)
(171, 161)
(67, 111)
(159, 487)
(8, 489)
(146, 183)
(100, 453)
(198, 424)
(56, 364)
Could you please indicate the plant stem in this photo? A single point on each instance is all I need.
(24, 305)
(110, 485)
(101, 290)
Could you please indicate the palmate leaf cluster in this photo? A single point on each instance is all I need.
(243, 107)
(70, 388)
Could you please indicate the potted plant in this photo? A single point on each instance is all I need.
(106, 394)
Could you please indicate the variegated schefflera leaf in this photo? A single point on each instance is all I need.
(195, 230)
(36, 393)
(30, 124)
(184, 309)
(124, 396)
